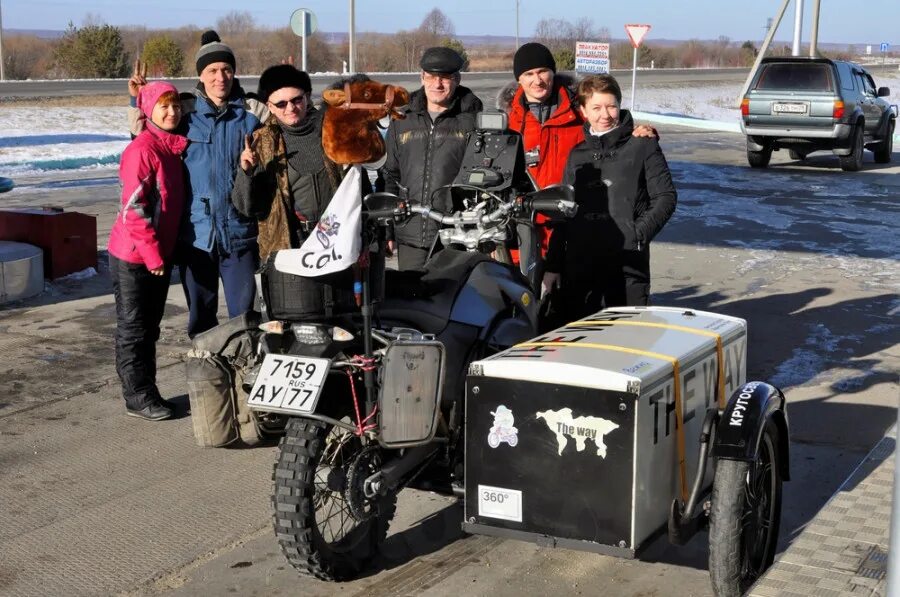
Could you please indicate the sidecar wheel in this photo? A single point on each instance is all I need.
(320, 531)
(745, 516)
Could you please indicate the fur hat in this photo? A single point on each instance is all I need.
(532, 55)
(213, 50)
(280, 76)
(150, 94)
(441, 60)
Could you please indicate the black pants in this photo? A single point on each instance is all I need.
(621, 280)
(140, 301)
(200, 273)
(410, 257)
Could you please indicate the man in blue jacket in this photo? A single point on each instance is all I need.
(216, 241)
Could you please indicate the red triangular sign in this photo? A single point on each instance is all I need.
(636, 33)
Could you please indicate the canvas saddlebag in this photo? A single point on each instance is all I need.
(215, 370)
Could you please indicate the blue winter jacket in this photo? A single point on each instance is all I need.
(212, 158)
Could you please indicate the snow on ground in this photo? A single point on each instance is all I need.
(35, 140)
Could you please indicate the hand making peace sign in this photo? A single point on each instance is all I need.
(138, 77)
(248, 156)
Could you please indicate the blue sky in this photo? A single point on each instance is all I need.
(874, 22)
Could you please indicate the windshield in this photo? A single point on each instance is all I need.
(796, 75)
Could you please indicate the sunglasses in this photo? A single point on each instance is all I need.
(297, 101)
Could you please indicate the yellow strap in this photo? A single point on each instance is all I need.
(679, 422)
(720, 353)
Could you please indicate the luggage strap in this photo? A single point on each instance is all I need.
(720, 353)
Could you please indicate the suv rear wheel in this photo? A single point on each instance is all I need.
(886, 147)
(759, 159)
(853, 162)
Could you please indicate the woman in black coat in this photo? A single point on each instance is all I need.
(625, 195)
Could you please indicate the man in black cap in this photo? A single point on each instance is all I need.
(425, 149)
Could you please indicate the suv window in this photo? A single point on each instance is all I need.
(796, 75)
(845, 75)
(865, 83)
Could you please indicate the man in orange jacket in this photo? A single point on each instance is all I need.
(543, 110)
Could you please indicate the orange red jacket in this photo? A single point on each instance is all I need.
(556, 137)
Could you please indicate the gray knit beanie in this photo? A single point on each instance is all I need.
(213, 50)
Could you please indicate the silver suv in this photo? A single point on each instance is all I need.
(811, 104)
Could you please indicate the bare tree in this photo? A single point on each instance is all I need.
(556, 34)
(234, 23)
(437, 24)
(413, 43)
(583, 29)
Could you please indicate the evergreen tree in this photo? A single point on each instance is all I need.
(94, 51)
(163, 56)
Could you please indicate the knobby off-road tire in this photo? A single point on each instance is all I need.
(759, 159)
(309, 501)
(745, 516)
(853, 162)
(886, 147)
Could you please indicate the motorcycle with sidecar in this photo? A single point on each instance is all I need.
(411, 381)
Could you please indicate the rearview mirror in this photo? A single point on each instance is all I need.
(883, 91)
(382, 202)
(556, 192)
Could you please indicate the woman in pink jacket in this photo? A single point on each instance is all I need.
(141, 245)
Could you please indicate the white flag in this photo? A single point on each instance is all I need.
(335, 243)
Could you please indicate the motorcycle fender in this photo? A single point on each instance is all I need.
(741, 425)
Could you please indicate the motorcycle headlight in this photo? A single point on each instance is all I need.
(311, 334)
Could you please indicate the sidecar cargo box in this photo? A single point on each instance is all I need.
(571, 437)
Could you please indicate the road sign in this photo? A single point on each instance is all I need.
(885, 46)
(591, 57)
(868, 50)
(303, 24)
(636, 33)
(297, 22)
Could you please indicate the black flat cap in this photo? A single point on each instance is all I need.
(442, 61)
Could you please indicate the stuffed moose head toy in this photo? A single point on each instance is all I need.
(350, 132)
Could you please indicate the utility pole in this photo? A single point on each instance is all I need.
(2, 74)
(768, 26)
(798, 27)
(814, 36)
(517, 25)
(352, 36)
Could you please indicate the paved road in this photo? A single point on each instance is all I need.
(97, 503)
(477, 81)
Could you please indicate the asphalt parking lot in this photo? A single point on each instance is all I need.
(98, 503)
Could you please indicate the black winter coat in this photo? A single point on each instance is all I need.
(625, 196)
(423, 155)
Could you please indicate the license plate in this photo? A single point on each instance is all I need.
(789, 108)
(289, 383)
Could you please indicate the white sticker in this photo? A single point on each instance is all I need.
(564, 425)
(503, 429)
(496, 502)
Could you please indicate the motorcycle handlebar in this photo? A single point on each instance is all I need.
(560, 206)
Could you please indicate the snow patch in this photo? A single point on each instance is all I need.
(805, 363)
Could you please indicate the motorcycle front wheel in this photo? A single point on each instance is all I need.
(325, 525)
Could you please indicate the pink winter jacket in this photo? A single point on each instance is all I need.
(152, 177)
